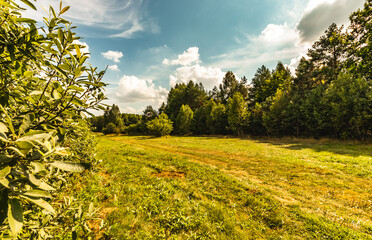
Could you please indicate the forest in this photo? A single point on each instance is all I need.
(329, 95)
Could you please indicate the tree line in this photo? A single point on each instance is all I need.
(329, 96)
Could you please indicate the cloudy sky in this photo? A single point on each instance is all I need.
(150, 45)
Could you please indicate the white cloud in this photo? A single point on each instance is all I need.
(132, 89)
(113, 55)
(131, 110)
(130, 33)
(113, 67)
(186, 58)
(320, 14)
(124, 18)
(208, 76)
(275, 35)
(276, 42)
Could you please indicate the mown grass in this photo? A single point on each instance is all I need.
(232, 188)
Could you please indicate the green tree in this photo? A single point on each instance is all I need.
(160, 126)
(111, 114)
(237, 113)
(149, 114)
(228, 87)
(190, 94)
(350, 100)
(184, 120)
(360, 49)
(47, 87)
(97, 123)
(328, 53)
(259, 81)
(218, 122)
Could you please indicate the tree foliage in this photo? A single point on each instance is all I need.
(184, 120)
(160, 126)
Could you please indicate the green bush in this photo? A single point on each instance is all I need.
(160, 126)
(46, 87)
(110, 128)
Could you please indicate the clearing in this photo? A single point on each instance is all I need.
(232, 188)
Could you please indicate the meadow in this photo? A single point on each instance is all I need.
(230, 188)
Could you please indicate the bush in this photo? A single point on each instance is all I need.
(160, 126)
(110, 128)
(46, 87)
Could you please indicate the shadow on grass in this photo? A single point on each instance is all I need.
(348, 148)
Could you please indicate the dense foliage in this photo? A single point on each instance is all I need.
(46, 88)
(160, 126)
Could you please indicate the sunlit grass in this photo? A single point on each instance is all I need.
(232, 188)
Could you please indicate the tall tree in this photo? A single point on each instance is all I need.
(360, 51)
(304, 75)
(191, 94)
(228, 87)
(259, 81)
(111, 114)
(183, 120)
(149, 114)
(328, 53)
(237, 113)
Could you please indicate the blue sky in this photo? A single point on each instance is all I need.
(149, 45)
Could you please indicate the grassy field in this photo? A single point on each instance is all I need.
(232, 188)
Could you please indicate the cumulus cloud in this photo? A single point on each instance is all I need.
(113, 67)
(124, 18)
(320, 14)
(276, 35)
(113, 55)
(132, 89)
(187, 58)
(208, 76)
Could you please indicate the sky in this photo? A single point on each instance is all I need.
(150, 45)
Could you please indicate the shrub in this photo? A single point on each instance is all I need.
(46, 87)
(160, 126)
(110, 128)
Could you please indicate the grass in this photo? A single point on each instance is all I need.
(232, 188)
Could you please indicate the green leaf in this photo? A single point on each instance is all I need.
(27, 120)
(37, 194)
(4, 158)
(4, 172)
(17, 151)
(26, 20)
(34, 180)
(28, 3)
(5, 182)
(34, 137)
(5, 4)
(24, 147)
(65, 9)
(46, 187)
(77, 48)
(9, 120)
(40, 202)
(3, 137)
(3, 128)
(76, 88)
(15, 216)
(68, 166)
(39, 167)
